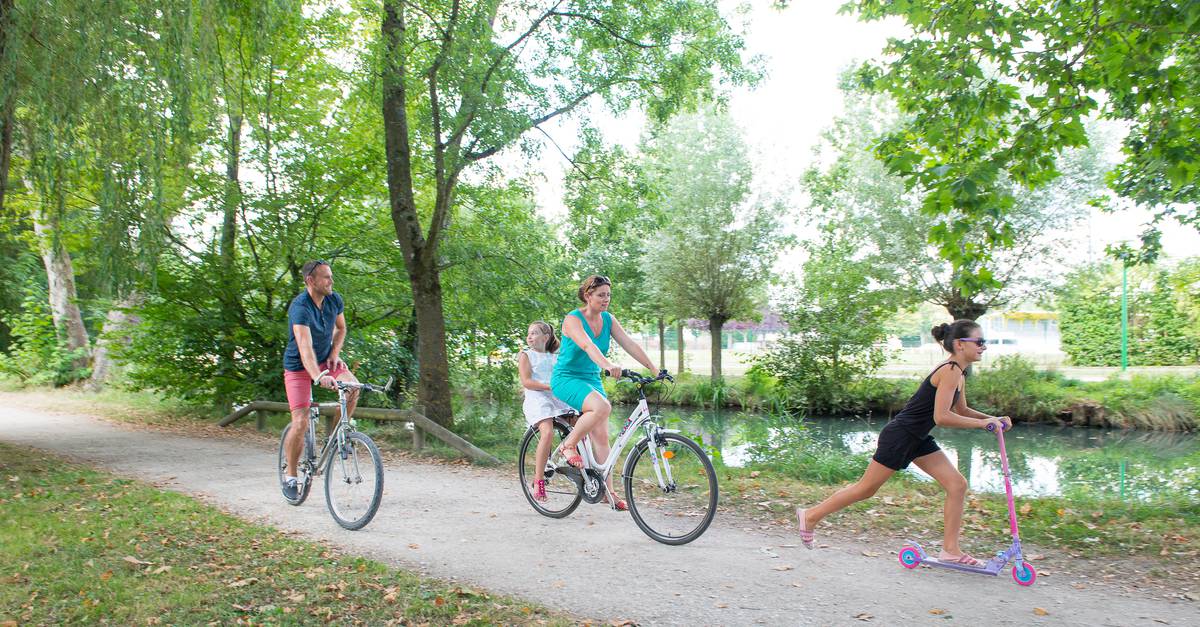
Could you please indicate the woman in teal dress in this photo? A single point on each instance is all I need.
(587, 333)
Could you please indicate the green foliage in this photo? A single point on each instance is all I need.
(997, 90)
(852, 190)
(1013, 386)
(38, 354)
(713, 258)
(836, 323)
(1161, 310)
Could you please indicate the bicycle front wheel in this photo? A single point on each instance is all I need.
(305, 453)
(672, 499)
(562, 494)
(354, 481)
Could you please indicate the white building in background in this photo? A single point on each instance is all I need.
(1022, 331)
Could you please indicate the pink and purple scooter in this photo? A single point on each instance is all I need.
(1023, 573)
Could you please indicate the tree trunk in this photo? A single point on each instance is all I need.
(60, 277)
(963, 308)
(227, 291)
(433, 387)
(114, 333)
(679, 347)
(7, 98)
(662, 343)
(715, 325)
(420, 256)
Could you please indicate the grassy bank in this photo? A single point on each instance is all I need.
(80, 546)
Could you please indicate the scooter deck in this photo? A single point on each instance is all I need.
(988, 568)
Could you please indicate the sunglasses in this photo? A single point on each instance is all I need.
(318, 264)
(978, 340)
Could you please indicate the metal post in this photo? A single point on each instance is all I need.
(1124, 317)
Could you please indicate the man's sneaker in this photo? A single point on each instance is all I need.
(291, 491)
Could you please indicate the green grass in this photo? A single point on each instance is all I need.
(80, 546)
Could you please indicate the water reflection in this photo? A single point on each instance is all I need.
(1044, 460)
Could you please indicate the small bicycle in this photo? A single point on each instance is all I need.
(350, 460)
(669, 481)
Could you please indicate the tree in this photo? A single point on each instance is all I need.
(713, 258)
(463, 81)
(1089, 305)
(612, 214)
(994, 91)
(855, 192)
(837, 319)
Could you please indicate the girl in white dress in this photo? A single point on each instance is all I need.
(535, 364)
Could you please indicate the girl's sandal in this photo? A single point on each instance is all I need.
(806, 535)
(573, 458)
(539, 491)
(965, 559)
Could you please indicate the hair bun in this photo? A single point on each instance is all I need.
(939, 331)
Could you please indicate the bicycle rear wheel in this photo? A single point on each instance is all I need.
(305, 453)
(354, 481)
(681, 508)
(562, 494)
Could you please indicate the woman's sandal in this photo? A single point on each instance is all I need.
(573, 458)
(621, 505)
(539, 491)
(806, 535)
(965, 559)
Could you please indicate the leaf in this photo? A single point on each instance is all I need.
(241, 583)
(414, 545)
(160, 570)
(1025, 509)
(863, 616)
(243, 608)
(129, 559)
(722, 605)
(870, 553)
(439, 601)
(754, 474)
(937, 611)
(106, 575)
(783, 567)
(1040, 611)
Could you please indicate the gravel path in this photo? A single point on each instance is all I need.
(472, 525)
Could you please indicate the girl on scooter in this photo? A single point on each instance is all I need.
(940, 400)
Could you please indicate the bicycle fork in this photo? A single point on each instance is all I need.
(661, 463)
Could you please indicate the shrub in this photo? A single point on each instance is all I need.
(39, 354)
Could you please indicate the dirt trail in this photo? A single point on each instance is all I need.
(473, 525)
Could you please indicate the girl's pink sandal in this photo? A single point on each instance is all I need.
(806, 535)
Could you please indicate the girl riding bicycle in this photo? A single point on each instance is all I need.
(535, 365)
(587, 335)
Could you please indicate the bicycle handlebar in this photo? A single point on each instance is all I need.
(351, 385)
(635, 377)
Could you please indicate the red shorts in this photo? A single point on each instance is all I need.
(299, 386)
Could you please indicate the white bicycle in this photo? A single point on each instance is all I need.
(669, 481)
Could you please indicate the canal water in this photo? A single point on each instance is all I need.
(1044, 460)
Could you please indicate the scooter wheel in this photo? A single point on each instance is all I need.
(909, 558)
(1024, 574)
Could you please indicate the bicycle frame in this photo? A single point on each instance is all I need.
(639, 419)
(343, 425)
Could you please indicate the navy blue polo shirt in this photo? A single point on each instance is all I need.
(321, 322)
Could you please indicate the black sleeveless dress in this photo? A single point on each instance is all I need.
(906, 436)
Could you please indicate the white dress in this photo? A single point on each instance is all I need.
(541, 404)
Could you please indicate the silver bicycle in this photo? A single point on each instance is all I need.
(349, 459)
(669, 481)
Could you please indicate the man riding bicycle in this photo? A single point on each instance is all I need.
(316, 333)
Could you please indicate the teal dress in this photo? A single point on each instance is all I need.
(575, 374)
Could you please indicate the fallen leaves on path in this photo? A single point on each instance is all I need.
(1040, 611)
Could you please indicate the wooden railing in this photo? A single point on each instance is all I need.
(421, 424)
